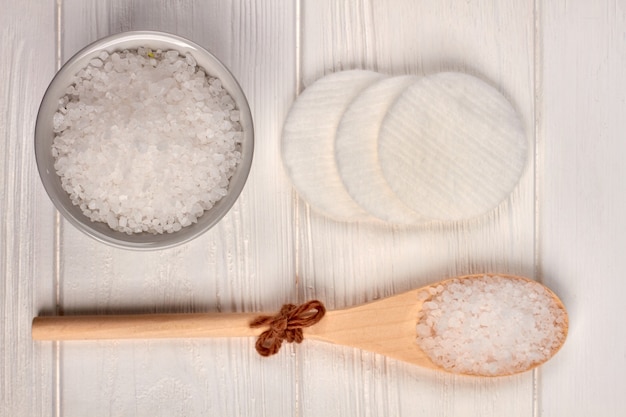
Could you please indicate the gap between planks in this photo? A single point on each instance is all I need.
(57, 409)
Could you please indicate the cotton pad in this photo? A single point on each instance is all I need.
(356, 150)
(452, 147)
(309, 138)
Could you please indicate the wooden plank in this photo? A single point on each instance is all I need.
(345, 264)
(247, 263)
(26, 229)
(243, 264)
(582, 202)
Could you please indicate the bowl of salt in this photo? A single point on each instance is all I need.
(144, 140)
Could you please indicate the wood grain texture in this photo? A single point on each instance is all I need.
(26, 215)
(559, 62)
(246, 263)
(144, 326)
(582, 202)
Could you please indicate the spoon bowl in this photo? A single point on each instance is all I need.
(386, 326)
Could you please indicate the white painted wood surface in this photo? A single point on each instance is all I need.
(27, 263)
(559, 62)
(582, 201)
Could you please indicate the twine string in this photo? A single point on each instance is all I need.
(287, 325)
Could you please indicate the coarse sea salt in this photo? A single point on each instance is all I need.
(489, 325)
(146, 140)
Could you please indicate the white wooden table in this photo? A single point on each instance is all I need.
(561, 63)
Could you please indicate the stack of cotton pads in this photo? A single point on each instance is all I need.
(359, 145)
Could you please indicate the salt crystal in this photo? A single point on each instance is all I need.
(171, 55)
(57, 121)
(190, 60)
(123, 149)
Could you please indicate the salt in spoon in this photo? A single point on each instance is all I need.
(531, 327)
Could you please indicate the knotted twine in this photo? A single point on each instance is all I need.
(287, 325)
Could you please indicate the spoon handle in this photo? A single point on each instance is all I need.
(143, 326)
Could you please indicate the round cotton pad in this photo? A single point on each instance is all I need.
(309, 138)
(356, 150)
(452, 147)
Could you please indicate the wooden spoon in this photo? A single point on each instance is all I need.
(386, 326)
